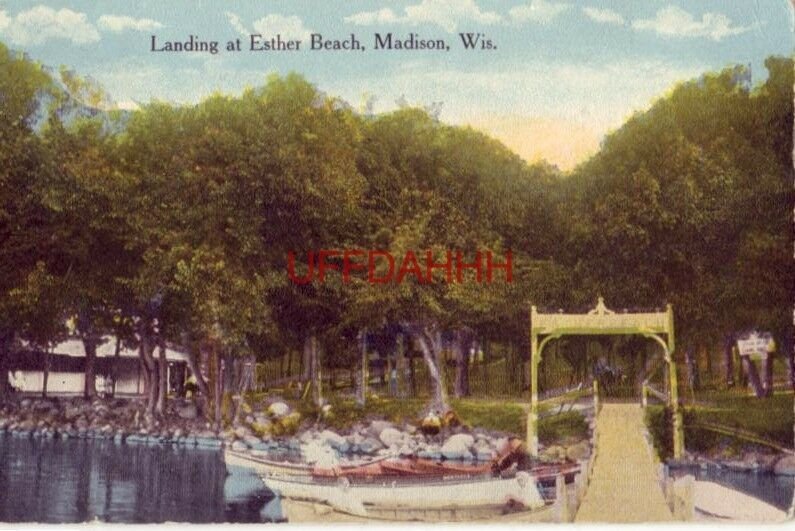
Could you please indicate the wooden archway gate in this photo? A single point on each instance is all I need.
(658, 326)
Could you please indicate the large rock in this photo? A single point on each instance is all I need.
(457, 446)
(377, 426)
(391, 436)
(72, 412)
(335, 440)
(405, 451)
(370, 445)
(278, 409)
(239, 446)
(188, 411)
(429, 452)
(785, 466)
(485, 454)
(241, 432)
(252, 441)
(553, 454)
(579, 451)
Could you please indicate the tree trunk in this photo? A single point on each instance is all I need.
(788, 348)
(194, 365)
(400, 363)
(90, 346)
(218, 386)
(361, 378)
(115, 370)
(46, 374)
(315, 372)
(753, 376)
(691, 363)
(461, 347)
(728, 360)
(412, 376)
(708, 368)
(306, 361)
(154, 390)
(6, 339)
(150, 373)
(486, 361)
(431, 347)
(162, 391)
(767, 373)
(244, 384)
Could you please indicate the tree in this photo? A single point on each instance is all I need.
(24, 220)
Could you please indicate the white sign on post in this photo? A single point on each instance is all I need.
(756, 345)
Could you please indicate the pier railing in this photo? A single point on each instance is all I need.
(568, 497)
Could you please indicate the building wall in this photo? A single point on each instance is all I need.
(73, 383)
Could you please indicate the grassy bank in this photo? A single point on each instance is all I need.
(494, 415)
(770, 418)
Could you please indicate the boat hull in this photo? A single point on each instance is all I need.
(494, 494)
(262, 466)
(304, 511)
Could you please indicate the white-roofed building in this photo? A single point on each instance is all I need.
(67, 369)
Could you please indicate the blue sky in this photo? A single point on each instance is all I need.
(564, 72)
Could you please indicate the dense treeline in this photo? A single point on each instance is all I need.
(172, 225)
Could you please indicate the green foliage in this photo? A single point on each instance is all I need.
(570, 424)
(769, 418)
(345, 412)
(660, 424)
(179, 219)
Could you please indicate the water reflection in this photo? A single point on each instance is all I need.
(78, 481)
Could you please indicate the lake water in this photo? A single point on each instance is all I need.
(770, 488)
(84, 480)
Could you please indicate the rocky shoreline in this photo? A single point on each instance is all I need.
(750, 462)
(278, 429)
(275, 429)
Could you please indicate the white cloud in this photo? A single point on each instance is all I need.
(672, 21)
(119, 23)
(603, 16)
(41, 23)
(289, 27)
(540, 11)
(447, 14)
(236, 23)
(369, 18)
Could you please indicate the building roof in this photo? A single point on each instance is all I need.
(107, 348)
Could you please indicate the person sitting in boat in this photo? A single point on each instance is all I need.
(432, 423)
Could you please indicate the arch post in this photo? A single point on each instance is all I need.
(678, 427)
(532, 415)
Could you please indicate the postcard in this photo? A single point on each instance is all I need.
(422, 261)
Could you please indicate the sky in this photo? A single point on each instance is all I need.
(561, 76)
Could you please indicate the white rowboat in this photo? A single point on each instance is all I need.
(490, 495)
(262, 465)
